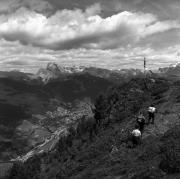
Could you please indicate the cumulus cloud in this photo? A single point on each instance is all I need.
(68, 29)
(14, 55)
(161, 27)
(29, 39)
(93, 9)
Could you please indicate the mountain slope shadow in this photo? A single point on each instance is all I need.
(84, 154)
(77, 86)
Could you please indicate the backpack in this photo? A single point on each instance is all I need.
(140, 118)
(136, 133)
(152, 109)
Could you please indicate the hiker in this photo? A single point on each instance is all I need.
(141, 121)
(136, 136)
(151, 112)
(96, 115)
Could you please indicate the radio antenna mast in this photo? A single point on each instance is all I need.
(144, 65)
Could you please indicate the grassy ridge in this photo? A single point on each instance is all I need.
(87, 151)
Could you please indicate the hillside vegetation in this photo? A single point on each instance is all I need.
(21, 98)
(87, 151)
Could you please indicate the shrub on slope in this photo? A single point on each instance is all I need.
(78, 157)
(171, 151)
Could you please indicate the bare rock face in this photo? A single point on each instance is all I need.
(52, 67)
(52, 71)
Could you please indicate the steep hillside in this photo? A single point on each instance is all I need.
(22, 97)
(19, 99)
(16, 75)
(77, 86)
(86, 150)
(118, 76)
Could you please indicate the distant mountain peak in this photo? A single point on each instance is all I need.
(52, 67)
(52, 71)
(173, 71)
(55, 68)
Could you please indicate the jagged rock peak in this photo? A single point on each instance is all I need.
(53, 67)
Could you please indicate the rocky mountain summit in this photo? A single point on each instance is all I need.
(54, 71)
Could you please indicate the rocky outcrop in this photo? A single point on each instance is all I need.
(52, 71)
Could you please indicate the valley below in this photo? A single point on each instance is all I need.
(31, 110)
(47, 119)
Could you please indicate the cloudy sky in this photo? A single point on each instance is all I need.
(112, 34)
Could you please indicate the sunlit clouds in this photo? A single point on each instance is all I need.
(34, 33)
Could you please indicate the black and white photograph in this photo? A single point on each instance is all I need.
(89, 89)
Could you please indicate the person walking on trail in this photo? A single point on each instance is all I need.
(136, 136)
(141, 121)
(151, 112)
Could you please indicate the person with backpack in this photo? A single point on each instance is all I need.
(140, 121)
(151, 112)
(136, 136)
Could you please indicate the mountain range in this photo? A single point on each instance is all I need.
(90, 149)
(35, 107)
(23, 96)
(54, 71)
